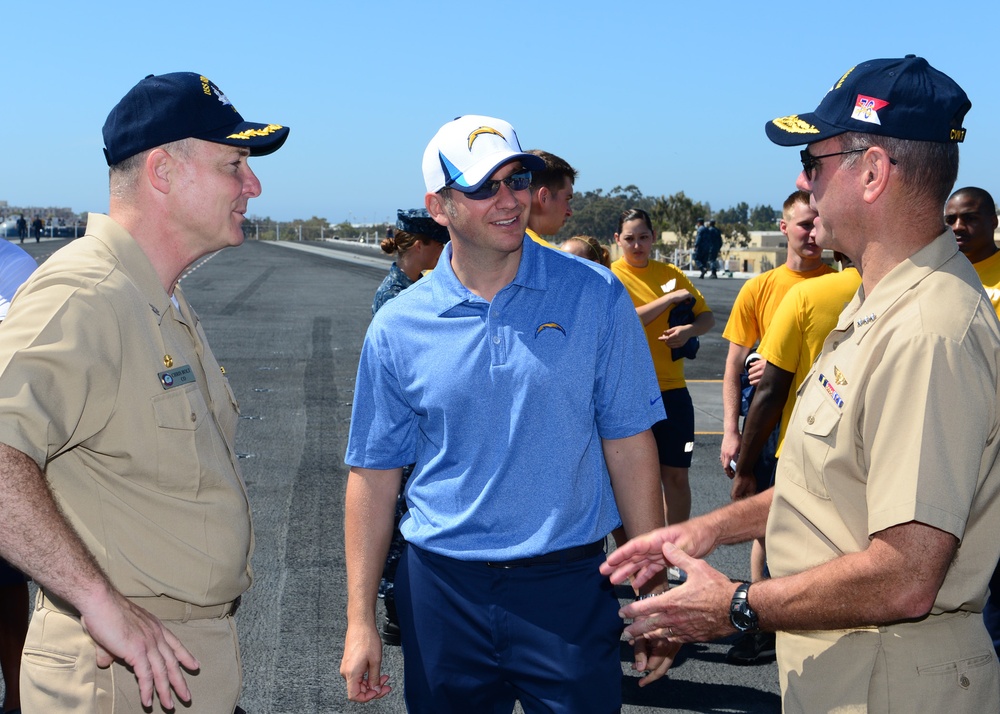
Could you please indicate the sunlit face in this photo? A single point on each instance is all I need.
(636, 242)
(799, 228)
(556, 210)
(494, 224)
(973, 225)
(214, 184)
(828, 194)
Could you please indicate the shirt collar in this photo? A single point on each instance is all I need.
(399, 276)
(864, 311)
(447, 290)
(133, 260)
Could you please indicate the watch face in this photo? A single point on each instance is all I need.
(741, 615)
(742, 620)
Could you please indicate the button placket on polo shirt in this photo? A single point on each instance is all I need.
(496, 330)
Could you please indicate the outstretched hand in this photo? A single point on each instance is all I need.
(124, 631)
(642, 557)
(697, 611)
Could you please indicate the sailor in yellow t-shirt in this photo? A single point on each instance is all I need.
(972, 215)
(752, 311)
(657, 289)
(793, 340)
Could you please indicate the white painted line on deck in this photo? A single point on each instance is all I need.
(334, 254)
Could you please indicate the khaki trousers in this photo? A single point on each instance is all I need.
(59, 672)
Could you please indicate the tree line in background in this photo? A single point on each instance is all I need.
(595, 213)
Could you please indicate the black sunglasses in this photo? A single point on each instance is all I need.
(810, 162)
(517, 181)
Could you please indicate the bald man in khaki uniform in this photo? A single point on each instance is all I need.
(881, 527)
(114, 411)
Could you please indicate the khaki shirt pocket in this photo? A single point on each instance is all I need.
(819, 423)
(181, 416)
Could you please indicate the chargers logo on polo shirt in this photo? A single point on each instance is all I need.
(549, 326)
(866, 109)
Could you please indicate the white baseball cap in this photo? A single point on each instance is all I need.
(465, 152)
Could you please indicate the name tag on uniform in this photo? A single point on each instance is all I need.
(176, 377)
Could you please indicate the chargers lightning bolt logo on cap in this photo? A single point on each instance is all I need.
(484, 130)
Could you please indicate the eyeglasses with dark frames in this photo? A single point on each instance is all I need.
(810, 163)
(517, 181)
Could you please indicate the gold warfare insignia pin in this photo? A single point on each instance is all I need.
(168, 361)
(838, 376)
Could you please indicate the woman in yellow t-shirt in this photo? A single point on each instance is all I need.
(657, 289)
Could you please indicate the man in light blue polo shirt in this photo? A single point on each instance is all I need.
(519, 382)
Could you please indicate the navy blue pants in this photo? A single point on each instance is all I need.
(477, 638)
(991, 613)
(10, 575)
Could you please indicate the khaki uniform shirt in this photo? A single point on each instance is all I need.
(897, 422)
(118, 398)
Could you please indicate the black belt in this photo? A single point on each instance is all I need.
(556, 557)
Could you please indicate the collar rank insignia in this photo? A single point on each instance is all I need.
(866, 320)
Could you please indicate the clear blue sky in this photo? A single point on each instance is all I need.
(664, 95)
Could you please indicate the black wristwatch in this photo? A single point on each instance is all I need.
(741, 614)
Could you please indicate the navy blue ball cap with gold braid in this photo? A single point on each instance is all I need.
(902, 98)
(182, 105)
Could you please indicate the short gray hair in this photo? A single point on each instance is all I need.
(927, 169)
(124, 175)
